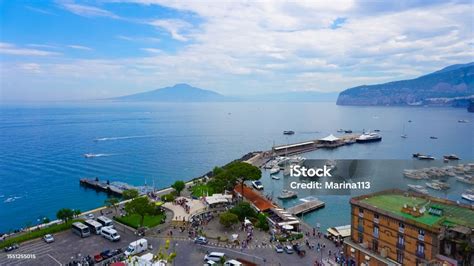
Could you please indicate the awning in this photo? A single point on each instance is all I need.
(289, 222)
(330, 138)
(287, 227)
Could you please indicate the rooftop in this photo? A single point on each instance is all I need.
(259, 201)
(393, 202)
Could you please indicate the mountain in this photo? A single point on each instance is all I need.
(450, 86)
(177, 93)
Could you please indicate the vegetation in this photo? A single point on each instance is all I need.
(243, 210)
(178, 186)
(262, 222)
(290, 238)
(130, 194)
(227, 177)
(168, 197)
(228, 219)
(65, 214)
(141, 206)
(133, 220)
(201, 190)
(38, 233)
(112, 203)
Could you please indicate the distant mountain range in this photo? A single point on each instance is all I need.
(186, 93)
(450, 86)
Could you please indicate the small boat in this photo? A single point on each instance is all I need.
(275, 177)
(89, 155)
(348, 131)
(451, 157)
(368, 137)
(274, 170)
(340, 130)
(468, 196)
(409, 121)
(376, 130)
(465, 180)
(288, 132)
(349, 141)
(418, 188)
(287, 194)
(404, 136)
(425, 157)
(433, 137)
(416, 155)
(433, 185)
(463, 121)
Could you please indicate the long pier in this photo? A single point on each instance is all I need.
(306, 207)
(311, 145)
(101, 186)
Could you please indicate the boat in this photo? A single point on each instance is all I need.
(89, 155)
(441, 184)
(376, 130)
(257, 185)
(433, 185)
(463, 121)
(275, 177)
(451, 157)
(340, 130)
(433, 137)
(409, 121)
(368, 137)
(404, 136)
(465, 180)
(348, 131)
(274, 170)
(416, 155)
(287, 194)
(425, 157)
(349, 141)
(468, 196)
(418, 188)
(288, 132)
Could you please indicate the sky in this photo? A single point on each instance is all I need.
(79, 50)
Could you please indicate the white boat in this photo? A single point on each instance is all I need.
(257, 185)
(433, 185)
(425, 157)
(368, 137)
(465, 180)
(274, 170)
(275, 177)
(467, 196)
(89, 155)
(418, 188)
(287, 194)
(463, 121)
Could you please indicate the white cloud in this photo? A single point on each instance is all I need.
(80, 47)
(10, 49)
(173, 26)
(88, 11)
(152, 50)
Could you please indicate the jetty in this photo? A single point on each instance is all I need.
(328, 142)
(306, 207)
(101, 186)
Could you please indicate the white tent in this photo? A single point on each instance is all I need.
(330, 138)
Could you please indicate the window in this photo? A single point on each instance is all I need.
(376, 218)
(420, 249)
(399, 256)
(361, 210)
(401, 228)
(401, 242)
(375, 245)
(421, 232)
(361, 237)
(376, 231)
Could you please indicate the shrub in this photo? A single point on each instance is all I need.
(168, 197)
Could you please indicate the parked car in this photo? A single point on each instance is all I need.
(214, 256)
(90, 216)
(11, 247)
(200, 240)
(299, 250)
(98, 258)
(48, 238)
(288, 249)
(279, 249)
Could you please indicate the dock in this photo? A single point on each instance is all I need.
(306, 207)
(311, 145)
(101, 186)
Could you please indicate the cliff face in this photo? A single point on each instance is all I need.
(451, 86)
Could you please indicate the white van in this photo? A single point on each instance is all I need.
(214, 256)
(136, 247)
(106, 222)
(233, 263)
(110, 234)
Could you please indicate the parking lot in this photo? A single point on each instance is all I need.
(66, 247)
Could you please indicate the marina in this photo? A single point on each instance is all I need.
(306, 207)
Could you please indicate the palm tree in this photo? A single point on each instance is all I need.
(112, 203)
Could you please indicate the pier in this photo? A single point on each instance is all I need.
(306, 207)
(101, 186)
(311, 145)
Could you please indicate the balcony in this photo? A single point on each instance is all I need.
(361, 214)
(401, 230)
(421, 237)
(376, 220)
(420, 254)
(400, 245)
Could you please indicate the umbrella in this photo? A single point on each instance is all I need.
(287, 227)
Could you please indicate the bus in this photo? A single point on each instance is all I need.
(80, 229)
(106, 222)
(94, 226)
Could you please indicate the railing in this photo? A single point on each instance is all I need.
(376, 220)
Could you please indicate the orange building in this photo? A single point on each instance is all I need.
(400, 228)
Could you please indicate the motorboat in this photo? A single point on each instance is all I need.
(451, 157)
(275, 177)
(463, 121)
(425, 157)
(368, 137)
(433, 185)
(433, 137)
(465, 180)
(288, 132)
(257, 185)
(404, 136)
(418, 189)
(89, 155)
(287, 194)
(274, 170)
(348, 131)
(468, 196)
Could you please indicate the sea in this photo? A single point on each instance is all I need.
(42, 147)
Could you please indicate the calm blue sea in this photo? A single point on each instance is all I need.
(42, 145)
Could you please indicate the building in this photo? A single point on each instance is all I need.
(399, 228)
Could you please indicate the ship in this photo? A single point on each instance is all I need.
(418, 188)
(468, 196)
(451, 157)
(465, 180)
(288, 132)
(287, 194)
(368, 137)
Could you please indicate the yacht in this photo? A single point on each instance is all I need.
(465, 180)
(451, 157)
(433, 185)
(418, 188)
(463, 121)
(274, 170)
(425, 157)
(288, 132)
(257, 185)
(368, 137)
(89, 155)
(275, 177)
(287, 194)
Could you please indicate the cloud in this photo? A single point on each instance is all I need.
(138, 38)
(173, 26)
(152, 50)
(88, 11)
(10, 49)
(80, 47)
(39, 10)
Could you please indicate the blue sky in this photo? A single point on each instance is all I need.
(63, 50)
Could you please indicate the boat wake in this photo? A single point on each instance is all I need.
(11, 199)
(92, 155)
(125, 137)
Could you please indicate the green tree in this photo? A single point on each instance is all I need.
(77, 212)
(228, 219)
(178, 186)
(141, 206)
(243, 209)
(130, 194)
(112, 203)
(65, 214)
(262, 222)
(243, 171)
